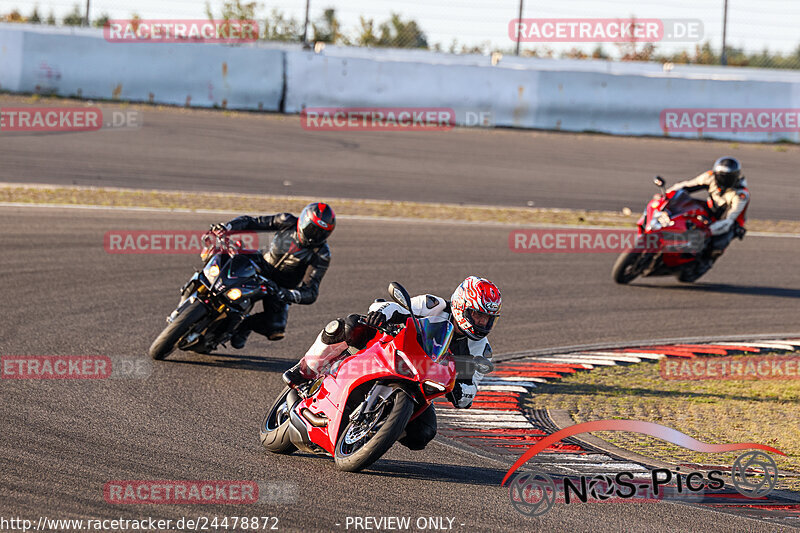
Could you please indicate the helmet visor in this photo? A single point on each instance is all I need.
(725, 180)
(481, 322)
(313, 234)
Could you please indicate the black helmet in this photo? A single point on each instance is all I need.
(315, 224)
(727, 172)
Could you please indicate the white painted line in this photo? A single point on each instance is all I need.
(484, 414)
(618, 357)
(476, 424)
(507, 388)
(654, 356)
(576, 360)
(769, 345)
(514, 380)
(612, 466)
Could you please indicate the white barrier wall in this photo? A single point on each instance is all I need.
(623, 104)
(569, 95)
(205, 75)
(10, 60)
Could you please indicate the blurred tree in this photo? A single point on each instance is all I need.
(34, 17)
(399, 34)
(51, 19)
(14, 16)
(599, 53)
(74, 17)
(365, 35)
(234, 10)
(101, 21)
(329, 29)
(278, 28)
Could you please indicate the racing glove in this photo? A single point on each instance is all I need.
(375, 319)
(288, 296)
(220, 227)
(463, 394)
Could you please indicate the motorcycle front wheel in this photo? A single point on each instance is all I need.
(180, 326)
(363, 442)
(628, 267)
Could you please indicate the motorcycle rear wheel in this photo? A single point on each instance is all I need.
(180, 326)
(390, 423)
(274, 432)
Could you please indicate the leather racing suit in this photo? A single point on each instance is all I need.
(287, 262)
(728, 208)
(343, 333)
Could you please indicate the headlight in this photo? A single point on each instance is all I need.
(403, 365)
(659, 220)
(234, 294)
(212, 273)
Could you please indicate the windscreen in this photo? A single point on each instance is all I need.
(241, 267)
(681, 202)
(435, 337)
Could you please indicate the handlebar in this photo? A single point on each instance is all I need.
(388, 329)
(220, 241)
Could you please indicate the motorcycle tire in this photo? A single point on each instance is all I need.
(622, 273)
(180, 326)
(394, 423)
(276, 439)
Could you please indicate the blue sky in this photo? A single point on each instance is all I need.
(752, 24)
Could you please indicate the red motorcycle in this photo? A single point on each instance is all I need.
(672, 233)
(362, 404)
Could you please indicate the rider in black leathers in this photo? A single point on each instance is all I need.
(296, 261)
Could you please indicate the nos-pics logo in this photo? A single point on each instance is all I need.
(754, 473)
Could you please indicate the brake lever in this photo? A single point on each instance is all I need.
(383, 329)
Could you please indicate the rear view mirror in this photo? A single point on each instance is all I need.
(659, 181)
(400, 295)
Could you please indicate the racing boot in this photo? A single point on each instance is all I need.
(239, 339)
(276, 335)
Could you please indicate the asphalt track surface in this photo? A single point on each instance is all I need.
(272, 154)
(196, 417)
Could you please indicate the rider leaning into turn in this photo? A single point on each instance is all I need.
(296, 261)
(727, 200)
(473, 309)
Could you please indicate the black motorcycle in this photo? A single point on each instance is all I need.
(216, 299)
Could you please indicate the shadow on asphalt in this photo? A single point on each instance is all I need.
(465, 475)
(724, 288)
(236, 361)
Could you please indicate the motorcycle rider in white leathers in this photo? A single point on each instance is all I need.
(728, 198)
(473, 309)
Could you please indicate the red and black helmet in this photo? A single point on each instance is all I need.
(315, 224)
